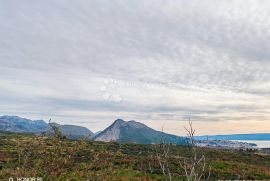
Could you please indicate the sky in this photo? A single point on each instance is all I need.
(158, 62)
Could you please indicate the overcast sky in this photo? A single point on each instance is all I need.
(159, 62)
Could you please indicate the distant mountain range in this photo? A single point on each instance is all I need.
(244, 137)
(21, 125)
(132, 131)
(120, 131)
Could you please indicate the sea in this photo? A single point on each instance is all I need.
(259, 143)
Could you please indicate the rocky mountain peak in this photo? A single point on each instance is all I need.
(136, 124)
(119, 121)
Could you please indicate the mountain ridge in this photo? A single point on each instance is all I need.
(22, 125)
(119, 131)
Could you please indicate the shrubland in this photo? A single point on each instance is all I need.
(58, 158)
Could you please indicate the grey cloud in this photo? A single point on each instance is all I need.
(55, 54)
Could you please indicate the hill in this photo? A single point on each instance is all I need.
(73, 131)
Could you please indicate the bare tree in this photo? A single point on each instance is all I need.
(196, 167)
(56, 132)
(162, 151)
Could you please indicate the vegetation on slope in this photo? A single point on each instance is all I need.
(24, 155)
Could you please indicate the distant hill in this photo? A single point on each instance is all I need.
(132, 131)
(256, 136)
(22, 125)
(73, 132)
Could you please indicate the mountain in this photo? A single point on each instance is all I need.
(73, 131)
(256, 136)
(132, 131)
(23, 125)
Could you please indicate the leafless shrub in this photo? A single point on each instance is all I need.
(162, 152)
(195, 168)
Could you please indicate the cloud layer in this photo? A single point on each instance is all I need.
(90, 62)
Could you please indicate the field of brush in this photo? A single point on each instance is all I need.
(24, 155)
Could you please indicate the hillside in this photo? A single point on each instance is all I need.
(54, 159)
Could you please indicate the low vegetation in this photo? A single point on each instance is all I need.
(57, 158)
